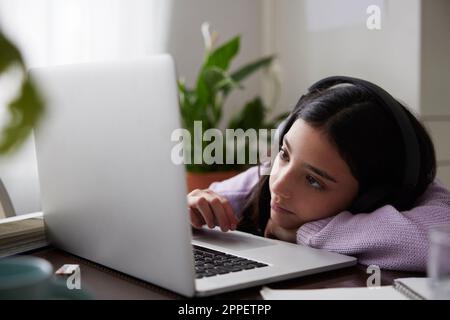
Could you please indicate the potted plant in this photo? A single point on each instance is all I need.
(205, 101)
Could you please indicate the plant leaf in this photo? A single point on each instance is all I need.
(247, 70)
(222, 56)
(219, 58)
(250, 68)
(9, 54)
(216, 79)
(25, 112)
(26, 109)
(250, 117)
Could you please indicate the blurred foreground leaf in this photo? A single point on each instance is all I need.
(26, 108)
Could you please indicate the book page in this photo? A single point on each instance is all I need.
(363, 293)
(418, 288)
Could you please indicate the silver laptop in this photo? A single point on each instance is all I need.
(111, 194)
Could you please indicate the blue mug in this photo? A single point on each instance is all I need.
(27, 278)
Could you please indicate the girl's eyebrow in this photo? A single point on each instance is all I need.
(316, 170)
(319, 172)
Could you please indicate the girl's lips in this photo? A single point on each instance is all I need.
(280, 209)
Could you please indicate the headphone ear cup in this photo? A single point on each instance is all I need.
(371, 199)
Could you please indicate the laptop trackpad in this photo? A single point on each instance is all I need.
(229, 240)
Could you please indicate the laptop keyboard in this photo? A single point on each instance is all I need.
(210, 263)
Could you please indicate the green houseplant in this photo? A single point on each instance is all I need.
(205, 101)
(26, 108)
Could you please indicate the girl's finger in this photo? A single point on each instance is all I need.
(205, 210)
(196, 218)
(219, 214)
(230, 213)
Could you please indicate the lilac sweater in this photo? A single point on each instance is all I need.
(385, 237)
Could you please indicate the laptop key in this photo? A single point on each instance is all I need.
(211, 271)
(209, 262)
(223, 271)
(210, 274)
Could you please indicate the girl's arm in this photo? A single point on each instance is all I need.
(385, 237)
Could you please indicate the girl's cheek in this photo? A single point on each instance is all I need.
(274, 167)
(273, 175)
(309, 207)
(271, 182)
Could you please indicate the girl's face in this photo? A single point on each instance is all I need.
(309, 179)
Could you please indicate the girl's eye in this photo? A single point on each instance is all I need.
(313, 182)
(283, 154)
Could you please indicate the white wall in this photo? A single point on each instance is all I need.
(435, 58)
(435, 79)
(18, 172)
(318, 38)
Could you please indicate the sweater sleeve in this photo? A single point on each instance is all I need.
(385, 237)
(237, 188)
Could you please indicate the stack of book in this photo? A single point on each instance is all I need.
(22, 233)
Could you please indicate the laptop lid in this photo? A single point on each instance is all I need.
(110, 192)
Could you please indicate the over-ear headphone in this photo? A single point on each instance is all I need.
(369, 200)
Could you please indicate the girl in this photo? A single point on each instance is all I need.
(338, 145)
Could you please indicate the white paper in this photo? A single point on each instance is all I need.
(363, 293)
(38, 214)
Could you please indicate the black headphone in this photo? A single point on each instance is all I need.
(369, 200)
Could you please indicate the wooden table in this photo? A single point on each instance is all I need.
(105, 283)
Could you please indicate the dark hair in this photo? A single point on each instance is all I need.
(367, 138)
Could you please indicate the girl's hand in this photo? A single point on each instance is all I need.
(207, 207)
(274, 231)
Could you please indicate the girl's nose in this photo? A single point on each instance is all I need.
(277, 198)
(281, 187)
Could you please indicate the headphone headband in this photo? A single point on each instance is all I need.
(394, 108)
